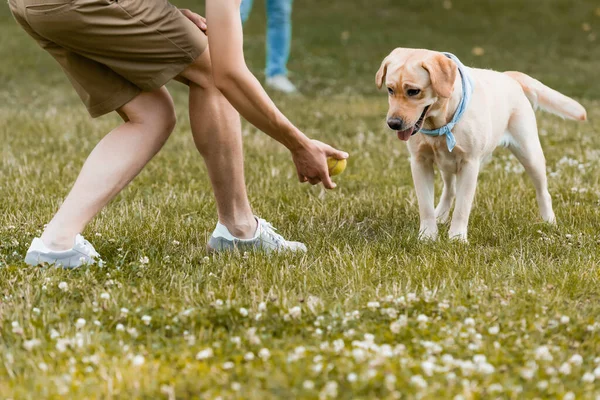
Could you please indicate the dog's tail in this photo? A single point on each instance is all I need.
(548, 99)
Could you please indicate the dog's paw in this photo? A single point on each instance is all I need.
(549, 219)
(458, 237)
(428, 235)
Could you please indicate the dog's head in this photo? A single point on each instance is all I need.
(415, 80)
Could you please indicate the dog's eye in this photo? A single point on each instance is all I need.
(391, 91)
(413, 92)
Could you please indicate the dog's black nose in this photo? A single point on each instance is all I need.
(395, 123)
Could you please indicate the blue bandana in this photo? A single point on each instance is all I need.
(467, 92)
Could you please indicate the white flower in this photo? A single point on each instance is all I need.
(352, 377)
(105, 296)
(597, 372)
(542, 385)
(16, 328)
(243, 312)
(422, 318)
(43, 366)
(36, 310)
(296, 312)
(262, 307)
(236, 387)
(493, 330)
(427, 367)
(146, 319)
(527, 373)
(479, 359)
(138, 360)
(249, 356)
(144, 260)
(228, 365)
(205, 354)
(308, 385)
(396, 327)
(63, 286)
(176, 242)
(264, 354)
(564, 319)
(359, 355)
(543, 353)
(338, 345)
(132, 332)
(588, 377)
(373, 305)
(469, 322)
(486, 368)
(31, 344)
(576, 360)
(565, 369)
(54, 334)
(80, 323)
(124, 311)
(120, 328)
(330, 389)
(569, 396)
(418, 381)
(61, 345)
(495, 388)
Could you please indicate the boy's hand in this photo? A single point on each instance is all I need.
(198, 20)
(311, 162)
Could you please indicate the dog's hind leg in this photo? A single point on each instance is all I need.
(526, 146)
(442, 211)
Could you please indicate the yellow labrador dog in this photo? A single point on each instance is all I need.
(463, 114)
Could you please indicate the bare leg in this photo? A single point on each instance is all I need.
(442, 212)
(465, 194)
(116, 160)
(423, 178)
(217, 133)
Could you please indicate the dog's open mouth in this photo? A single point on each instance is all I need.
(407, 133)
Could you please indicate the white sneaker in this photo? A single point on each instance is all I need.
(281, 83)
(82, 253)
(266, 238)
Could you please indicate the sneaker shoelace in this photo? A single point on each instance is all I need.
(270, 230)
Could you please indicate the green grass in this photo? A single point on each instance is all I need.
(518, 286)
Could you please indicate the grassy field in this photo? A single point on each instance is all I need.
(369, 312)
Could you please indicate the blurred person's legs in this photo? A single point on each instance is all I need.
(246, 9)
(279, 39)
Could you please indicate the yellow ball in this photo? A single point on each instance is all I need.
(336, 167)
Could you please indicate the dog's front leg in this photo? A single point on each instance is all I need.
(423, 178)
(465, 194)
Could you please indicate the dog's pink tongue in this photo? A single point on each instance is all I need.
(405, 135)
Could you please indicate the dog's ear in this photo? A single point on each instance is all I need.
(442, 72)
(380, 77)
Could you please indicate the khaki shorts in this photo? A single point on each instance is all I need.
(111, 50)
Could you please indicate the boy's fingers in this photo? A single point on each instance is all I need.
(327, 182)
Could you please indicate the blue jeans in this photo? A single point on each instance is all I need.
(279, 33)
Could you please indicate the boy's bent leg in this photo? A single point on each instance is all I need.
(116, 160)
(217, 131)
